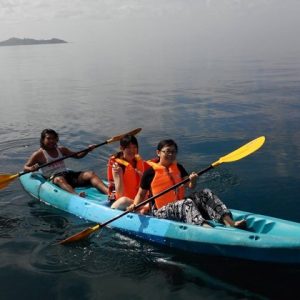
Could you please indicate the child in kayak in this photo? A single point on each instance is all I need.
(173, 205)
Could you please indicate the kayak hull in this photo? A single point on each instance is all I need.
(266, 239)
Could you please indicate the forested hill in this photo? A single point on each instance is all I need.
(17, 42)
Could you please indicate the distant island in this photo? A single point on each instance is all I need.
(18, 42)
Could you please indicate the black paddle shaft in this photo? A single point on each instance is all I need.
(156, 196)
(65, 157)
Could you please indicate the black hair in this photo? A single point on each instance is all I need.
(47, 131)
(127, 140)
(167, 143)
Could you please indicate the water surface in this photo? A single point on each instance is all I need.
(210, 104)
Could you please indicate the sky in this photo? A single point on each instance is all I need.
(273, 23)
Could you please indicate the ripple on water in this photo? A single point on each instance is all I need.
(16, 144)
(8, 226)
(103, 255)
(55, 258)
(108, 252)
(220, 180)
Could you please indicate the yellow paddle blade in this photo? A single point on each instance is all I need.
(6, 179)
(241, 152)
(118, 137)
(81, 235)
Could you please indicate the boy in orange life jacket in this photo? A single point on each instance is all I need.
(124, 172)
(57, 172)
(173, 205)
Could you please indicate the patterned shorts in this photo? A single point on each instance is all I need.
(200, 206)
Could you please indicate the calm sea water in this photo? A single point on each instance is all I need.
(210, 104)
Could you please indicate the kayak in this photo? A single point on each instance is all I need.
(266, 239)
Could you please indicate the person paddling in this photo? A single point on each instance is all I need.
(57, 172)
(196, 209)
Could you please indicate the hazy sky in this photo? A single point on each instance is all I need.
(272, 22)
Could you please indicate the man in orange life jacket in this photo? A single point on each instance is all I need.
(57, 172)
(124, 172)
(173, 205)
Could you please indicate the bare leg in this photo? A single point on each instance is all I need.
(95, 181)
(209, 204)
(62, 183)
(238, 224)
(122, 203)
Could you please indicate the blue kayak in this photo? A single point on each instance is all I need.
(266, 239)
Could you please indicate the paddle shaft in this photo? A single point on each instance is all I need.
(65, 157)
(156, 196)
(112, 139)
(237, 154)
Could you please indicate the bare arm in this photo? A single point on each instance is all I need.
(117, 173)
(191, 184)
(67, 152)
(34, 161)
(140, 197)
(193, 180)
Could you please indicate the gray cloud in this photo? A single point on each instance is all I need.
(16, 10)
(247, 22)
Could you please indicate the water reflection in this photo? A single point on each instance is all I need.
(8, 225)
(210, 105)
(257, 280)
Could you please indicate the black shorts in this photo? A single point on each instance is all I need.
(71, 177)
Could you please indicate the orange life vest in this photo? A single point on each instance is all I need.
(163, 179)
(131, 176)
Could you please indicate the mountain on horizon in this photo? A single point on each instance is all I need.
(18, 42)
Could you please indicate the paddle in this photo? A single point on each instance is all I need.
(233, 156)
(6, 179)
